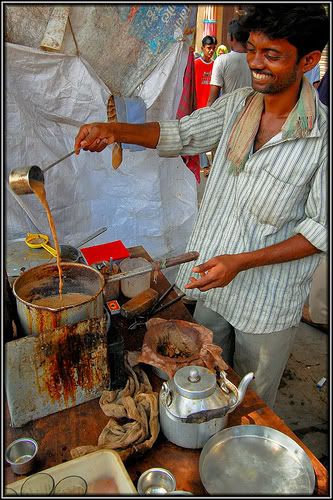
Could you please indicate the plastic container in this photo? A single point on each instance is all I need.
(130, 287)
(102, 466)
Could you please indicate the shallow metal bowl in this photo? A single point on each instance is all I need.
(21, 455)
(156, 481)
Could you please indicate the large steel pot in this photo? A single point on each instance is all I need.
(193, 406)
(43, 281)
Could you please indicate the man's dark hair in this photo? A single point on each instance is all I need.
(209, 40)
(237, 32)
(306, 26)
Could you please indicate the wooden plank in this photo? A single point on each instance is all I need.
(55, 30)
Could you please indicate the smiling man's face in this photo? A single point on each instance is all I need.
(273, 63)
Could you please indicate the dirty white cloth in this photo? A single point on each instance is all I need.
(133, 426)
(264, 355)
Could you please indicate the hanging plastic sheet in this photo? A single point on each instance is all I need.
(148, 201)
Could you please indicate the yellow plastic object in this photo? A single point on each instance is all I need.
(36, 240)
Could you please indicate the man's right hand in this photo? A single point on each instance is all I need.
(94, 137)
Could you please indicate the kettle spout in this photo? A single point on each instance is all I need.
(243, 386)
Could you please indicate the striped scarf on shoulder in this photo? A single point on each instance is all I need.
(298, 124)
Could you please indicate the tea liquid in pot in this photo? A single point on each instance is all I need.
(58, 301)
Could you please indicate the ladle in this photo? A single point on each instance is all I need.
(20, 178)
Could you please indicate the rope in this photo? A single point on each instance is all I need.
(71, 27)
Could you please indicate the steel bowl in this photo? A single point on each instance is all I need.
(156, 481)
(21, 455)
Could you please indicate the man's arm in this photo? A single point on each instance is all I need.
(96, 136)
(214, 94)
(221, 270)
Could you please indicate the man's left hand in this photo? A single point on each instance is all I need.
(216, 272)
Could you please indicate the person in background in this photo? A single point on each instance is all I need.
(262, 224)
(323, 88)
(221, 49)
(231, 71)
(203, 67)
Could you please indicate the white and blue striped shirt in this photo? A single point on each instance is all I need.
(282, 191)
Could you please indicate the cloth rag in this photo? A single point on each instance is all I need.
(133, 426)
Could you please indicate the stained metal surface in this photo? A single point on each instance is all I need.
(48, 373)
(19, 256)
(255, 460)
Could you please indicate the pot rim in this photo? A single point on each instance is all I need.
(20, 440)
(63, 264)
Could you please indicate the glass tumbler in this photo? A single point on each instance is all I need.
(9, 492)
(71, 485)
(40, 484)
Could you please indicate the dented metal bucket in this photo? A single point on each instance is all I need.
(43, 281)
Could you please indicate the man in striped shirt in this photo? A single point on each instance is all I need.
(262, 224)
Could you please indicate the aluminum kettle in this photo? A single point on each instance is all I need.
(194, 406)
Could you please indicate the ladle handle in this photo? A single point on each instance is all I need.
(58, 161)
(178, 259)
(92, 236)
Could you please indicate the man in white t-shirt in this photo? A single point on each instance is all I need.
(231, 71)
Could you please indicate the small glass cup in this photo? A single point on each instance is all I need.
(40, 484)
(71, 485)
(9, 492)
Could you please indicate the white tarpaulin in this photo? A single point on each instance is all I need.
(148, 201)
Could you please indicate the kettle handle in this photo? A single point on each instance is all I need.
(168, 393)
(242, 389)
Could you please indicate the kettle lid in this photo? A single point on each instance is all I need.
(195, 382)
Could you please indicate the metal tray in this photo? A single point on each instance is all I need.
(253, 460)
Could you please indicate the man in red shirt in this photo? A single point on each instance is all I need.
(203, 67)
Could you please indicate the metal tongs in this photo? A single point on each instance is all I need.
(142, 319)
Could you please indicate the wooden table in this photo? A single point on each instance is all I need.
(58, 433)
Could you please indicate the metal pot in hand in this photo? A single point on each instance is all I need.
(193, 406)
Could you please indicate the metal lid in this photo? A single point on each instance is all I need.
(195, 382)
